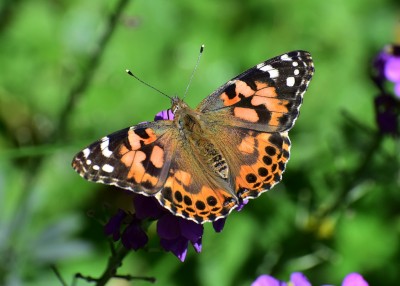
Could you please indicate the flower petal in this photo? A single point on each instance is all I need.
(218, 225)
(392, 69)
(397, 89)
(266, 280)
(190, 229)
(354, 279)
(298, 279)
(387, 114)
(242, 204)
(168, 227)
(147, 207)
(164, 115)
(134, 236)
(197, 245)
(113, 226)
(177, 246)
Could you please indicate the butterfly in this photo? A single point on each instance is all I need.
(202, 164)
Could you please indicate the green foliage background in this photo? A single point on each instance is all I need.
(338, 158)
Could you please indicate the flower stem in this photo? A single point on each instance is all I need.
(114, 262)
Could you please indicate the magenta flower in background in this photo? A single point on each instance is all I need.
(354, 279)
(298, 279)
(392, 72)
(387, 105)
(387, 66)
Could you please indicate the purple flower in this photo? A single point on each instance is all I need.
(113, 226)
(176, 233)
(354, 279)
(298, 279)
(387, 67)
(218, 225)
(164, 115)
(392, 72)
(387, 112)
(387, 106)
(266, 280)
(147, 208)
(134, 237)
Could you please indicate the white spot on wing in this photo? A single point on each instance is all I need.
(95, 167)
(104, 147)
(285, 57)
(296, 72)
(290, 81)
(295, 64)
(107, 168)
(264, 67)
(273, 73)
(86, 152)
(88, 162)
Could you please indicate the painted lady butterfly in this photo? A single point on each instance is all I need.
(206, 161)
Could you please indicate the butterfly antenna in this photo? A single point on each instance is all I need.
(145, 83)
(194, 70)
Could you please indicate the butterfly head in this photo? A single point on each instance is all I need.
(177, 104)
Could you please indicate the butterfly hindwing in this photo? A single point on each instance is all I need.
(193, 191)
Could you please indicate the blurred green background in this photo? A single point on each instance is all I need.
(62, 87)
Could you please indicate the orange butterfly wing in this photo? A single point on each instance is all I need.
(253, 112)
(135, 158)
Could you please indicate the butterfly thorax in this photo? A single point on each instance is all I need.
(193, 131)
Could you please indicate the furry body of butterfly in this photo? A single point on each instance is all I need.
(204, 162)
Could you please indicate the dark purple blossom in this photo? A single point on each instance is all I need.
(176, 233)
(298, 279)
(134, 237)
(113, 226)
(387, 112)
(147, 208)
(218, 225)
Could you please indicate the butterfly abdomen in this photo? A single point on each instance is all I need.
(194, 133)
(214, 159)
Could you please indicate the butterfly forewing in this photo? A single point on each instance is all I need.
(135, 158)
(266, 97)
